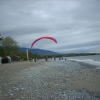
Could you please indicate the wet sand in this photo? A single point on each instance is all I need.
(51, 80)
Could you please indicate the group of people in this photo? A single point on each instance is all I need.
(46, 59)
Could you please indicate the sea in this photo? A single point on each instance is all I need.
(90, 59)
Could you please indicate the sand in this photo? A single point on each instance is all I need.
(51, 80)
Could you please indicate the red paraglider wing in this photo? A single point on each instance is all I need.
(46, 37)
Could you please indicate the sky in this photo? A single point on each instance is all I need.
(75, 24)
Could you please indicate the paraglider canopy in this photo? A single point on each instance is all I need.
(45, 37)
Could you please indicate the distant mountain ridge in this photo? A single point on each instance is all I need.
(38, 51)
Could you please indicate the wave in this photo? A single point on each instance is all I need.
(89, 61)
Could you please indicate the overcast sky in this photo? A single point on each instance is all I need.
(75, 24)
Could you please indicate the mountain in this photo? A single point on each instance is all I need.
(38, 51)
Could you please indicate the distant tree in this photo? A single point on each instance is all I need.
(2, 53)
(9, 45)
(22, 55)
(1, 38)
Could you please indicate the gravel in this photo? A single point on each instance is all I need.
(52, 80)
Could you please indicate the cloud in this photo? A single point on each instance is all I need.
(74, 23)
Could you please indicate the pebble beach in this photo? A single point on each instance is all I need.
(49, 80)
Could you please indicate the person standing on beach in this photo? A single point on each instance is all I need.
(46, 59)
(59, 58)
(35, 59)
(54, 58)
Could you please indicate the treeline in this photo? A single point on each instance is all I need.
(10, 47)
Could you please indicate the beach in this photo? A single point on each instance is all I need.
(49, 80)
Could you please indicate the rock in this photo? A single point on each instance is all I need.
(22, 88)
(78, 97)
(56, 84)
(11, 94)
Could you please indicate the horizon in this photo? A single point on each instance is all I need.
(62, 52)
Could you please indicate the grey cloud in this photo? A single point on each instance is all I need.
(87, 10)
(79, 45)
(74, 23)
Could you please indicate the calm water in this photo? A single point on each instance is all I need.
(92, 59)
